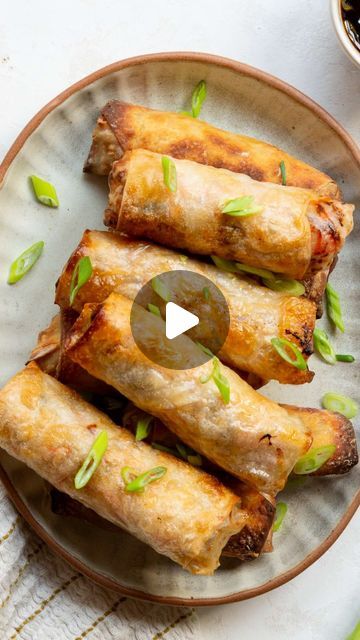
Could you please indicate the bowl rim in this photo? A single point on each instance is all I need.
(348, 47)
(262, 76)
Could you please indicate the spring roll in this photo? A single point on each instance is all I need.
(257, 314)
(251, 437)
(186, 515)
(122, 127)
(294, 232)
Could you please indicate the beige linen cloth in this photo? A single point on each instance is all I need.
(43, 598)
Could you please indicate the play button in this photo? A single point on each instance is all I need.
(178, 320)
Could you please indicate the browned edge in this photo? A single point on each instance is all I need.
(32, 125)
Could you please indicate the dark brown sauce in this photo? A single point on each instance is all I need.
(350, 11)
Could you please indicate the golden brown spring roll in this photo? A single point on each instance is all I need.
(296, 233)
(251, 437)
(122, 127)
(257, 314)
(187, 514)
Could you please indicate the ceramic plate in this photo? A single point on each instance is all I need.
(54, 145)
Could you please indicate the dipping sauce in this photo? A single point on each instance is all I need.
(350, 11)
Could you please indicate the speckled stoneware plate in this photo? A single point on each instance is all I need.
(54, 145)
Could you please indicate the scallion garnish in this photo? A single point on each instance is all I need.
(143, 427)
(283, 172)
(314, 459)
(333, 307)
(292, 287)
(161, 289)
(169, 171)
(220, 380)
(340, 357)
(283, 347)
(182, 450)
(45, 192)
(341, 404)
(195, 459)
(198, 97)
(263, 273)
(280, 513)
(80, 276)
(205, 349)
(25, 262)
(323, 346)
(138, 484)
(183, 258)
(225, 265)
(206, 293)
(154, 309)
(162, 447)
(239, 207)
(92, 460)
(355, 635)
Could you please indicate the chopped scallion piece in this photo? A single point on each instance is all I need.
(80, 276)
(92, 460)
(283, 347)
(162, 447)
(263, 273)
(239, 207)
(154, 309)
(355, 635)
(340, 357)
(205, 350)
(195, 460)
(323, 346)
(138, 484)
(220, 380)
(198, 97)
(283, 172)
(292, 287)
(182, 450)
(45, 191)
(143, 427)
(161, 289)
(183, 258)
(225, 265)
(341, 404)
(280, 513)
(333, 307)
(206, 293)
(25, 262)
(169, 171)
(314, 459)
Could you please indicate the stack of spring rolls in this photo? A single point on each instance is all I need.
(224, 460)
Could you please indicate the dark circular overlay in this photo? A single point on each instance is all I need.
(194, 293)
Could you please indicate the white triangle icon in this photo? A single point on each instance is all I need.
(178, 320)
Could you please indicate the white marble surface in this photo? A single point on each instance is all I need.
(45, 46)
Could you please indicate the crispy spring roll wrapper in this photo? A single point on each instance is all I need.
(251, 437)
(122, 127)
(257, 314)
(187, 515)
(297, 233)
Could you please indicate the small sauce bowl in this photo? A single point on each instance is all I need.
(348, 45)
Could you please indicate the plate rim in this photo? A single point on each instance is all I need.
(30, 127)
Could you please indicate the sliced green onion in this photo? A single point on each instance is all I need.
(45, 192)
(205, 349)
(169, 171)
(341, 404)
(143, 427)
(186, 113)
(92, 460)
(161, 289)
(206, 293)
(225, 265)
(25, 262)
(355, 635)
(80, 276)
(138, 484)
(162, 447)
(239, 207)
(340, 357)
(314, 459)
(283, 172)
(195, 460)
(292, 287)
(189, 455)
(283, 346)
(263, 273)
(333, 307)
(198, 97)
(154, 309)
(220, 380)
(280, 513)
(323, 346)
(182, 450)
(128, 474)
(183, 258)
